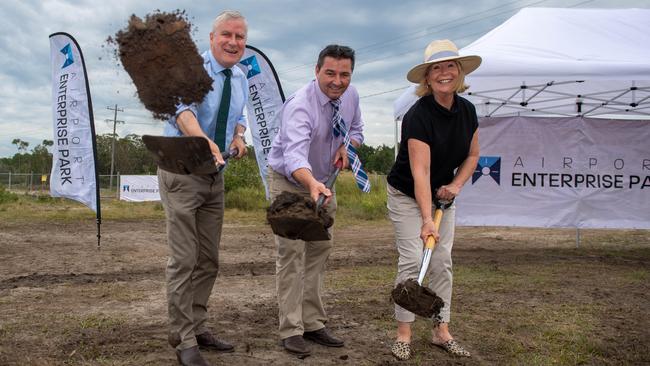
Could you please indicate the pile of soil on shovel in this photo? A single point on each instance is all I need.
(294, 217)
(417, 299)
(162, 60)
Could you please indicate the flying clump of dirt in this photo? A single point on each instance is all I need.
(162, 60)
(294, 217)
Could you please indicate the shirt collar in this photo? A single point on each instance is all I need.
(323, 99)
(215, 66)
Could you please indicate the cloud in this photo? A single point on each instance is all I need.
(389, 38)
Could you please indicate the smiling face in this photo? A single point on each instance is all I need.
(442, 77)
(228, 41)
(334, 76)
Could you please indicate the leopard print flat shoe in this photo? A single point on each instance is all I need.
(453, 348)
(401, 350)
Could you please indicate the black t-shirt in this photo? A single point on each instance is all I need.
(447, 132)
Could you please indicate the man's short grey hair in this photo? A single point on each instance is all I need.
(228, 15)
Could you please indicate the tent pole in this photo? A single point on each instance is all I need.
(577, 237)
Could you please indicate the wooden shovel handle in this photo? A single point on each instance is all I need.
(437, 217)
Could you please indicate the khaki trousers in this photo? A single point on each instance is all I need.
(299, 270)
(194, 207)
(404, 212)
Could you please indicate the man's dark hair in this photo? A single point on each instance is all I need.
(337, 52)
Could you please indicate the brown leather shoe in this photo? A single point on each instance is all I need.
(191, 357)
(209, 342)
(323, 337)
(296, 345)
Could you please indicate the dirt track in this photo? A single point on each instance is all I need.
(64, 302)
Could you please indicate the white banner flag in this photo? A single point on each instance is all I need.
(139, 188)
(560, 172)
(264, 101)
(73, 162)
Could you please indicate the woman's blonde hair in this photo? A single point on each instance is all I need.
(423, 88)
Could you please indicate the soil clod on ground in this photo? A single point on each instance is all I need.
(417, 299)
(293, 216)
(162, 60)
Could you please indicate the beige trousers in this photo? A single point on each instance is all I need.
(404, 212)
(299, 270)
(194, 207)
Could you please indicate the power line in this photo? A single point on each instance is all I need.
(430, 30)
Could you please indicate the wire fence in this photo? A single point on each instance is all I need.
(35, 183)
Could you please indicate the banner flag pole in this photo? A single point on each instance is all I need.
(265, 100)
(74, 155)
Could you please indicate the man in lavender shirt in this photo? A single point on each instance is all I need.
(301, 159)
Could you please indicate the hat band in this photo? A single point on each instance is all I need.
(442, 54)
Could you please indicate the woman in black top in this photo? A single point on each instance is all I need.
(438, 153)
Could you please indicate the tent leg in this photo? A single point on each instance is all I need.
(577, 237)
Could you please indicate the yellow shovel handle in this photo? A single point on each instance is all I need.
(437, 217)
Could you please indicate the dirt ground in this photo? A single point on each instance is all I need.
(63, 301)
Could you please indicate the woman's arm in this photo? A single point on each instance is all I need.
(466, 169)
(420, 162)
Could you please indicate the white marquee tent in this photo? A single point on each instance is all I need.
(545, 160)
(561, 62)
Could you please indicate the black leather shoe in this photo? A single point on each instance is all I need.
(191, 357)
(296, 345)
(209, 342)
(323, 337)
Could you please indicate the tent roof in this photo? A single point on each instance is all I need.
(565, 62)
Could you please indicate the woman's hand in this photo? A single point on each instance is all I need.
(447, 192)
(428, 229)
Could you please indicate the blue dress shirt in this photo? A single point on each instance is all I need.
(207, 110)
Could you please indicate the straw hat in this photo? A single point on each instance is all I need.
(438, 51)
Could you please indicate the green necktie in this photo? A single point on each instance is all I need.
(222, 114)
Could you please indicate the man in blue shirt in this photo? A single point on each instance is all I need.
(194, 204)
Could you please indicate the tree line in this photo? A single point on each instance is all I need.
(131, 157)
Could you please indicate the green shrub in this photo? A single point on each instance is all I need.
(246, 198)
(6, 196)
(243, 173)
(354, 203)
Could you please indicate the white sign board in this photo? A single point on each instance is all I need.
(139, 188)
(560, 172)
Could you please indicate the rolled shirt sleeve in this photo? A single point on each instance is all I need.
(296, 139)
(356, 126)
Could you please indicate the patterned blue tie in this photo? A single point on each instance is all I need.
(339, 129)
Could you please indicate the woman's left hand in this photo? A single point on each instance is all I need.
(447, 192)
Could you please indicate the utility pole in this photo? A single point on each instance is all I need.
(115, 122)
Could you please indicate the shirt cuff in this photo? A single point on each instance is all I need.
(291, 165)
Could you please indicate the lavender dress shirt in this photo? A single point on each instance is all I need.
(306, 139)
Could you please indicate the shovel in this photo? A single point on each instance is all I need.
(184, 154)
(410, 294)
(294, 217)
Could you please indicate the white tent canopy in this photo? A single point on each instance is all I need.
(561, 62)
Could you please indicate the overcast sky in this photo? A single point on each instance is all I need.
(389, 37)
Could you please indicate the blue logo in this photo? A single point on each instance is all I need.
(126, 188)
(67, 51)
(488, 165)
(252, 66)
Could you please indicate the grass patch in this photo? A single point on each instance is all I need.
(354, 204)
(99, 322)
(246, 199)
(6, 196)
(362, 277)
(248, 202)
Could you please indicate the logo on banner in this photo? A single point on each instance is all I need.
(67, 51)
(252, 66)
(125, 188)
(488, 166)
